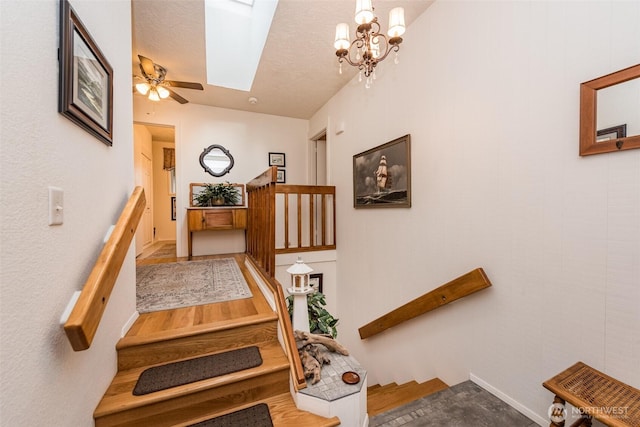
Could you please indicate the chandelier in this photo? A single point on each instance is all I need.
(369, 47)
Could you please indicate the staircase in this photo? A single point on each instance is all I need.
(191, 403)
(384, 398)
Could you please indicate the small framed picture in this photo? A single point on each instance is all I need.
(615, 132)
(173, 208)
(85, 78)
(281, 177)
(277, 159)
(315, 280)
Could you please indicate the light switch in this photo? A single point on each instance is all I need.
(56, 206)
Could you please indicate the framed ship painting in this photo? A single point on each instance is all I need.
(382, 176)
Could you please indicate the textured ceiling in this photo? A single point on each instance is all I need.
(298, 70)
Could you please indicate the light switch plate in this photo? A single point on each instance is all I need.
(56, 206)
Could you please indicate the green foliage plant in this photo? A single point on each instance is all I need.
(223, 191)
(320, 320)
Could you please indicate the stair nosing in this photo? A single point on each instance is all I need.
(128, 342)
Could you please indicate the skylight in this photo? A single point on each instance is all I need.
(236, 31)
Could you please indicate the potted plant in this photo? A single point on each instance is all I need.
(320, 320)
(217, 195)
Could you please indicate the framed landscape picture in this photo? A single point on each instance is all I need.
(382, 175)
(86, 78)
(277, 159)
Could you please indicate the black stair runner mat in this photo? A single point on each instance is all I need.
(189, 371)
(254, 416)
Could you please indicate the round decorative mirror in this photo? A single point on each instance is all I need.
(216, 160)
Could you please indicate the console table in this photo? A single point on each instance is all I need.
(214, 219)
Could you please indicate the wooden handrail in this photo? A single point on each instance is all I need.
(297, 372)
(261, 229)
(261, 242)
(265, 178)
(458, 288)
(261, 252)
(86, 314)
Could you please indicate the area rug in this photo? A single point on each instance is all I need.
(188, 283)
(254, 416)
(198, 369)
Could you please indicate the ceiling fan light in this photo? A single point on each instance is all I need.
(153, 95)
(396, 22)
(364, 12)
(342, 36)
(143, 88)
(163, 92)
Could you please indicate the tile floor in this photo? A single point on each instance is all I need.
(463, 405)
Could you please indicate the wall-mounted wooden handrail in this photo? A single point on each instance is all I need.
(458, 288)
(86, 314)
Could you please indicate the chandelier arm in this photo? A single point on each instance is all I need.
(394, 47)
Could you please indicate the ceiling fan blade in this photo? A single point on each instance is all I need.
(146, 65)
(177, 97)
(186, 85)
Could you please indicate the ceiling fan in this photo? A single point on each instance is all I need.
(155, 85)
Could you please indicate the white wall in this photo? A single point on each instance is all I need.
(44, 382)
(248, 136)
(489, 92)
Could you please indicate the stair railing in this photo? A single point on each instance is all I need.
(308, 218)
(261, 220)
(261, 251)
(459, 287)
(83, 322)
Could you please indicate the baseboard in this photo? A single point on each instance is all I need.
(129, 323)
(268, 295)
(509, 401)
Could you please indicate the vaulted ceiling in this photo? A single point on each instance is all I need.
(298, 70)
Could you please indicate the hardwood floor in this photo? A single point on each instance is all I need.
(174, 335)
(171, 335)
(201, 316)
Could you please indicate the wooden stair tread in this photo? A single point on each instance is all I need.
(385, 398)
(130, 341)
(284, 413)
(172, 335)
(380, 389)
(119, 397)
(205, 342)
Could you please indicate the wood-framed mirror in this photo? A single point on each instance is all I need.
(610, 112)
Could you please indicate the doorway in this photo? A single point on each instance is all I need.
(319, 159)
(155, 166)
(318, 176)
